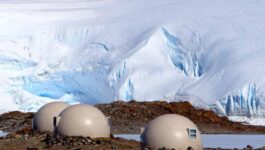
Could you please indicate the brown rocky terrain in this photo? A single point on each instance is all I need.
(27, 139)
(14, 121)
(129, 117)
(126, 117)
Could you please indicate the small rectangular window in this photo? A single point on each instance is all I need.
(192, 133)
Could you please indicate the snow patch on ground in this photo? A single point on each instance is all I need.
(2, 134)
(247, 120)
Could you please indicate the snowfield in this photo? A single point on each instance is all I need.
(96, 51)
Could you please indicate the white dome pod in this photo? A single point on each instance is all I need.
(83, 120)
(172, 131)
(43, 119)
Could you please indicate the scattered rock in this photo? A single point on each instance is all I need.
(129, 117)
(32, 140)
(13, 121)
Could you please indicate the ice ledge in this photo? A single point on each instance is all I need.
(249, 102)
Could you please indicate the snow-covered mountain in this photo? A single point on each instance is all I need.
(96, 51)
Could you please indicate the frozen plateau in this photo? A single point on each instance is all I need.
(210, 52)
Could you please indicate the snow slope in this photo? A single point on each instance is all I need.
(96, 51)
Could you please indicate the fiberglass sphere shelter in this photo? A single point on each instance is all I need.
(172, 131)
(43, 119)
(83, 120)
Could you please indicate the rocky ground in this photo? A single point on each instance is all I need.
(27, 139)
(14, 121)
(129, 117)
(125, 118)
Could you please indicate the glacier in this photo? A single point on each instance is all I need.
(208, 52)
